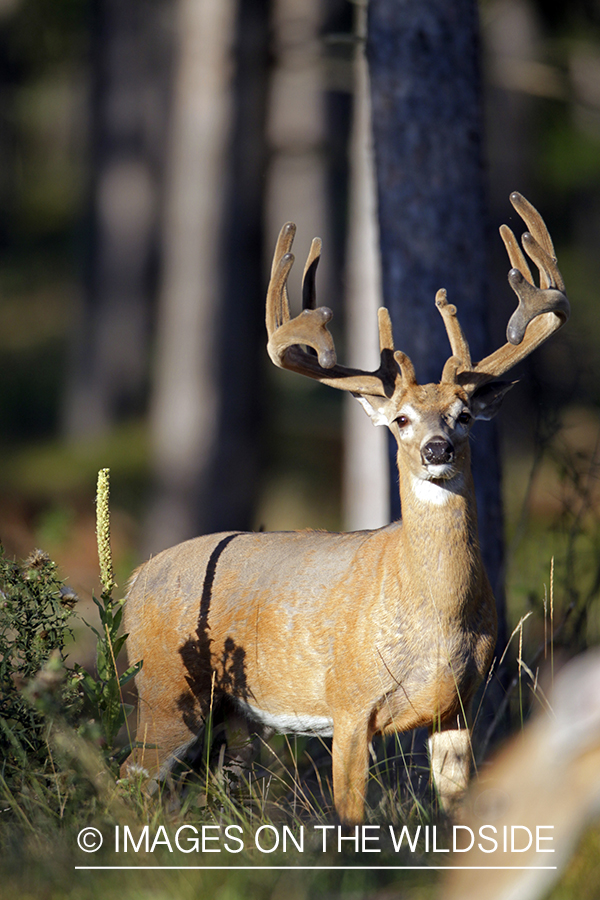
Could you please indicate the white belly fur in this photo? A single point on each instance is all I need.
(289, 723)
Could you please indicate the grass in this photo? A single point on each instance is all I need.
(275, 816)
(47, 799)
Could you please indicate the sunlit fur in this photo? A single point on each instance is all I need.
(366, 632)
(375, 631)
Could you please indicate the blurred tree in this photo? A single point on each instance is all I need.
(130, 53)
(185, 399)
(426, 96)
(204, 402)
(234, 483)
(366, 469)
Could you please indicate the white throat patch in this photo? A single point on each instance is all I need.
(435, 493)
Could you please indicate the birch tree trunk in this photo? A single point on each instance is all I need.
(366, 468)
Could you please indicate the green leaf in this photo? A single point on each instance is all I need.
(130, 673)
(117, 645)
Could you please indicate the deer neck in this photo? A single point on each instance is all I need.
(439, 533)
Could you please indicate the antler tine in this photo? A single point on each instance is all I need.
(537, 243)
(278, 307)
(450, 370)
(536, 226)
(541, 311)
(288, 337)
(309, 328)
(458, 342)
(309, 292)
(386, 335)
(285, 239)
(515, 254)
(395, 367)
(550, 276)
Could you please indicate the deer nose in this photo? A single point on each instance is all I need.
(437, 452)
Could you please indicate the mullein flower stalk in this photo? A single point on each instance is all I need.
(103, 532)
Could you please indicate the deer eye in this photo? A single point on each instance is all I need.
(464, 418)
(403, 421)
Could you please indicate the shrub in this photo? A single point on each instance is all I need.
(35, 613)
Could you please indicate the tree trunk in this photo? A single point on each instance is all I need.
(234, 483)
(426, 97)
(185, 401)
(130, 60)
(205, 407)
(366, 468)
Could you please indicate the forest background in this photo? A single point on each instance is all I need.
(89, 274)
(105, 242)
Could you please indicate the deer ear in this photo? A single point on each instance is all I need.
(375, 409)
(486, 400)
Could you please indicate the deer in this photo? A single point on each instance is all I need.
(347, 635)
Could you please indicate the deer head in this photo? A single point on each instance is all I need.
(388, 394)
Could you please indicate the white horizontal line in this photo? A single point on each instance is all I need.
(333, 868)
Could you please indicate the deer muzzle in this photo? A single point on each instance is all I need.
(438, 451)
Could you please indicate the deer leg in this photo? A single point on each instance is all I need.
(244, 739)
(450, 757)
(350, 768)
(163, 736)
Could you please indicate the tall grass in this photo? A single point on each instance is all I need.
(65, 731)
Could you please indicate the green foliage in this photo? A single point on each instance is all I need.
(46, 731)
(55, 779)
(104, 692)
(35, 613)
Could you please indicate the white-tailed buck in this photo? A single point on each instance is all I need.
(354, 634)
